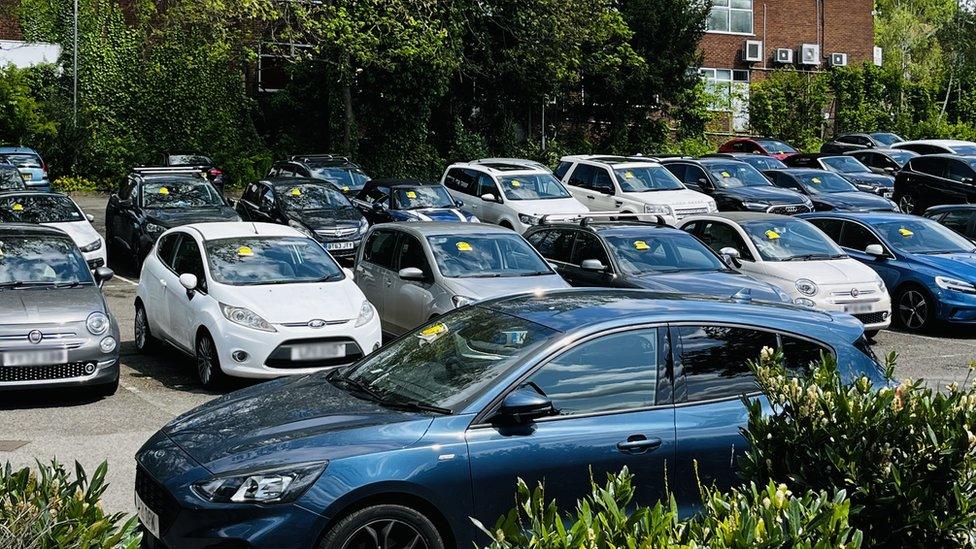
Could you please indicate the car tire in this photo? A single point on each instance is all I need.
(914, 308)
(144, 340)
(208, 362)
(506, 224)
(383, 527)
(907, 203)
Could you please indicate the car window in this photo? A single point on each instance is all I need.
(679, 170)
(773, 146)
(824, 183)
(790, 239)
(561, 170)
(489, 255)
(536, 238)
(419, 197)
(844, 164)
(582, 176)
(299, 197)
(601, 180)
(718, 235)
(856, 237)
(715, 360)
(696, 176)
(189, 260)
(486, 185)
(736, 174)
(588, 246)
(127, 187)
(10, 179)
(381, 249)
(557, 245)
(461, 180)
(646, 178)
(258, 260)
(536, 186)
(267, 200)
(39, 208)
(165, 248)
(922, 236)
(250, 193)
(412, 254)
(958, 220)
(177, 194)
(786, 181)
(799, 354)
(638, 254)
(929, 165)
(41, 261)
(613, 372)
(830, 227)
(959, 172)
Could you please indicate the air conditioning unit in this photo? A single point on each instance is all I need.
(784, 55)
(753, 50)
(809, 54)
(838, 60)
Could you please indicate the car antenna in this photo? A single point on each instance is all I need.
(742, 296)
(255, 227)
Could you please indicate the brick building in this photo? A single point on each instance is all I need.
(748, 38)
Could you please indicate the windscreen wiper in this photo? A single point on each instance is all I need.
(418, 406)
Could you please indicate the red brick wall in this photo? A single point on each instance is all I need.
(9, 27)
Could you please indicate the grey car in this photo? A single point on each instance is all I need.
(55, 327)
(412, 272)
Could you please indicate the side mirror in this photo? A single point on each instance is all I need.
(524, 404)
(411, 273)
(231, 202)
(875, 249)
(592, 265)
(349, 272)
(488, 197)
(459, 203)
(90, 218)
(377, 206)
(889, 169)
(731, 255)
(103, 275)
(189, 281)
(125, 202)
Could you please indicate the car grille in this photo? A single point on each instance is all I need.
(154, 495)
(685, 212)
(96, 263)
(788, 209)
(48, 372)
(338, 232)
(871, 318)
(281, 356)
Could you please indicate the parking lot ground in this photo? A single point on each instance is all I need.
(154, 389)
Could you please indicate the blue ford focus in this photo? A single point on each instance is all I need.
(929, 269)
(402, 449)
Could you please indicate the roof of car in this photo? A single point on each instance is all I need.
(879, 150)
(16, 149)
(867, 217)
(395, 182)
(607, 225)
(611, 160)
(233, 229)
(443, 228)
(285, 181)
(943, 142)
(798, 171)
(30, 192)
(574, 309)
(501, 168)
(950, 207)
(510, 163)
(30, 229)
(740, 217)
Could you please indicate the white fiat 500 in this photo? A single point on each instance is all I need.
(255, 300)
(55, 210)
(800, 259)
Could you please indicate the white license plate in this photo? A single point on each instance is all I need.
(318, 351)
(857, 308)
(35, 358)
(339, 245)
(887, 194)
(148, 518)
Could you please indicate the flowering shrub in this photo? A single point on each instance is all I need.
(69, 184)
(904, 453)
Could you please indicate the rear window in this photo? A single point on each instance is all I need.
(24, 160)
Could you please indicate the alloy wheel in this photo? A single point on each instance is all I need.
(913, 309)
(141, 328)
(205, 360)
(386, 534)
(907, 203)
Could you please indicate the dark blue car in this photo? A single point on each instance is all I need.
(389, 200)
(829, 191)
(405, 447)
(929, 269)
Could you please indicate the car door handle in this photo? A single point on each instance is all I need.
(618, 203)
(162, 282)
(638, 444)
(389, 282)
(591, 197)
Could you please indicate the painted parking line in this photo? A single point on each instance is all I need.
(118, 277)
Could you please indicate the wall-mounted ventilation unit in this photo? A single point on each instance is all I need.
(838, 60)
(753, 50)
(784, 55)
(809, 54)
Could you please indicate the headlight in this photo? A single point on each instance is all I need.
(807, 202)
(97, 323)
(363, 224)
(756, 206)
(108, 344)
(155, 229)
(528, 219)
(893, 204)
(662, 209)
(366, 313)
(278, 485)
(93, 246)
(806, 287)
(803, 302)
(473, 219)
(712, 207)
(301, 228)
(461, 300)
(881, 285)
(947, 283)
(246, 317)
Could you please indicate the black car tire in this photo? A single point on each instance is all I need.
(914, 308)
(383, 527)
(144, 340)
(907, 203)
(209, 371)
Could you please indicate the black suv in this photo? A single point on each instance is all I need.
(860, 141)
(847, 167)
(311, 206)
(152, 200)
(736, 186)
(193, 160)
(935, 179)
(958, 217)
(883, 161)
(829, 191)
(338, 170)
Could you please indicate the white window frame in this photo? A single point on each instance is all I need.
(727, 8)
(723, 80)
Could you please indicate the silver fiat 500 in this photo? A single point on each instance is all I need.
(55, 327)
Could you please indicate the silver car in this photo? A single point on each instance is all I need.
(55, 327)
(412, 272)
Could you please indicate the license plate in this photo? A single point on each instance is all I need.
(887, 194)
(339, 245)
(857, 308)
(318, 351)
(35, 358)
(27, 176)
(148, 518)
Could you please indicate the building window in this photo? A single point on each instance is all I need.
(730, 16)
(729, 91)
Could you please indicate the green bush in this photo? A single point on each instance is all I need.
(46, 508)
(749, 517)
(904, 454)
(69, 184)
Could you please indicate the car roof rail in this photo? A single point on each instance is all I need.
(318, 156)
(586, 218)
(169, 170)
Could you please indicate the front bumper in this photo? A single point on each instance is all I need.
(873, 310)
(85, 364)
(97, 258)
(342, 248)
(954, 307)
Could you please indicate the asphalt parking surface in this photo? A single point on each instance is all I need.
(154, 389)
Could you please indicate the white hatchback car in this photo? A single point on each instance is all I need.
(255, 300)
(800, 259)
(631, 185)
(55, 210)
(512, 193)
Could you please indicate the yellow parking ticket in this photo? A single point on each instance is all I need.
(726, 175)
(516, 183)
(411, 195)
(295, 191)
(641, 245)
(245, 251)
(432, 332)
(463, 247)
(905, 232)
(17, 207)
(163, 190)
(772, 235)
(815, 180)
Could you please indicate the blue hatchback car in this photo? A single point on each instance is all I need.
(929, 269)
(404, 448)
(31, 166)
(391, 200)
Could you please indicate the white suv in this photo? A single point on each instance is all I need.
(632, 185)
(509, 192)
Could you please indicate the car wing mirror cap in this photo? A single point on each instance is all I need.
(875, 249)
(189, 281)
(411, 273)
(592, 265)
(731, 255)
(90, 218)
(103, 275)
(524, 404)
(488, 197)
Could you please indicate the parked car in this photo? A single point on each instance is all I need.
(55, 326)
(513, 161)
(214, 174)
(761, 162)
(736, 186)
(958, 217)
(883, 161)
(937, 146)
(389, 200)
(860, 141)
(512, 195)
(414, 272)
(254, 300)
(930, 269)
(346, 175)
(311, 206)
(829, 191)
(801, 260)
(847, 167)
(758, 145)
(152, 200)
(31, 166)
(632, 185)
(10, 178)
(635, 254)
(432, 431)
(55, 210)
(933, 180)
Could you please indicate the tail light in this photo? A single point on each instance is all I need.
(44, 168)
(214, 172)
